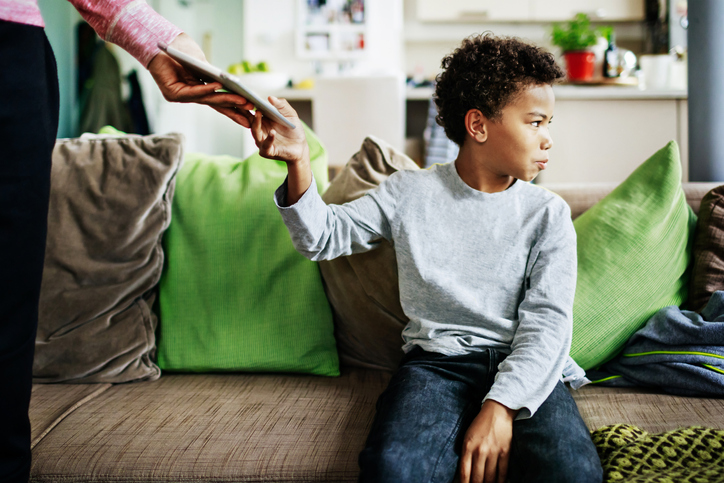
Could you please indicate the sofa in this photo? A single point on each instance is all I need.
(275, 426)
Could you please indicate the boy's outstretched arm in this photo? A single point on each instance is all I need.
(276, 141)
(486, 447)
(318, 231)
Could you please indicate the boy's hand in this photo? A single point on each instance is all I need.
(486, 446)
(277, 141)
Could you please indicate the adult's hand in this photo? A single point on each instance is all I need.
(178, 84)
(486, 447)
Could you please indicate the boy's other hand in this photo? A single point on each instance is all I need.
(277, 141)
(486, 446)
(177, 84)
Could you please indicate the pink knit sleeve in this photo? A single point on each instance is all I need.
(131, 24)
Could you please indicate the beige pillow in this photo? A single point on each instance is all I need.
(110, 203)
(363, 288)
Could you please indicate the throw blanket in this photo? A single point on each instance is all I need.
(678, 351)
(685, 455)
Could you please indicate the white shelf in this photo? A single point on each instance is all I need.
(342, 38)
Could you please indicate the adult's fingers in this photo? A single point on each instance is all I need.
(224, 99)
(199, 90)
(241, 117)
(206, 94)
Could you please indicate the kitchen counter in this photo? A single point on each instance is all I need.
(561, 92)
(615, 92)
(583, 92)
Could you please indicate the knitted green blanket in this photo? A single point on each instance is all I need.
(630, 454)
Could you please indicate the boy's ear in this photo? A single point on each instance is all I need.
(476, 124)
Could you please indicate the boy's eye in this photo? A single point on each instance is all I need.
(537, 123)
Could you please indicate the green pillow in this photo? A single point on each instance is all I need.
(235, 295)
(633, 256)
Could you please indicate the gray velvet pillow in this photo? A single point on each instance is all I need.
(363, 288)
(110, 203)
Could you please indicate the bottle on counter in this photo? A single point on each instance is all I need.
(610, 58)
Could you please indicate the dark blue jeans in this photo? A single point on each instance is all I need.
(431, 401)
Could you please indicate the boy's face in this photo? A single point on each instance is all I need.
(519, 141)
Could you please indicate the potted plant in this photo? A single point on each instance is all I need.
(574, 39)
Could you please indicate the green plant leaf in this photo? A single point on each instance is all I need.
(576, 34)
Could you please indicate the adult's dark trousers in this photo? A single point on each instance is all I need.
(28, 127)
(432, 399)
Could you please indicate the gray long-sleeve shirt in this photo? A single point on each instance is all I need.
(476, 270)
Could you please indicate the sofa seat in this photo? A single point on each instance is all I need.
(260, 427)
(649, 410)
(211, 427)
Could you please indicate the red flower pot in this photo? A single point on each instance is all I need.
(579, 65)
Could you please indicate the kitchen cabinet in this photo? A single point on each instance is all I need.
(597, 10)
(471, 11)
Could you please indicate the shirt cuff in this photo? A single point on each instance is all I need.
(523, 412)
(280, 196)
(574, 375)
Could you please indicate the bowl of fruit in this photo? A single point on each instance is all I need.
(258, 77)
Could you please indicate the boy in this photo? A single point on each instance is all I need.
(487, 273)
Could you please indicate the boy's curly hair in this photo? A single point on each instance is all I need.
(485, 73)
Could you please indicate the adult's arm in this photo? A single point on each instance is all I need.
(137, 28)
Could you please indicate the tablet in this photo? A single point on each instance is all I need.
(229, 81)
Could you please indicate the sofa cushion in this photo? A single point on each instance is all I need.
(235, 295)
(233, 427)
(655, 413)
(581, 196)
(634, 250)
(51, 403)
(363, 288)
(707, 274)
(271, 427)
(110, 203)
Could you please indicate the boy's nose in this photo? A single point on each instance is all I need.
(547, 143)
